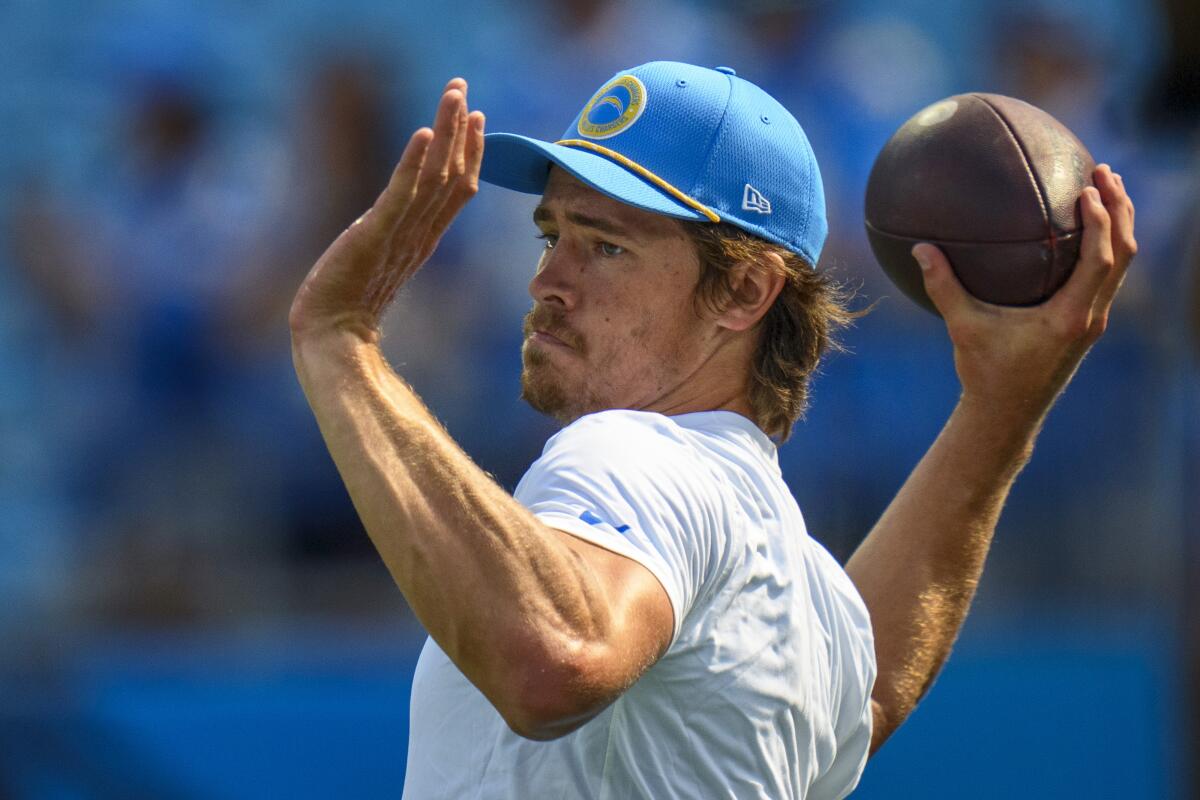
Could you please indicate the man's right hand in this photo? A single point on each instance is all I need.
(355, 280)
(1015, 361)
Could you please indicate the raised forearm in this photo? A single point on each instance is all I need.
(486, 579)
(918, 569)
(548, 627)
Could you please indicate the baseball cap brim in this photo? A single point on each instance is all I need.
(523, 165)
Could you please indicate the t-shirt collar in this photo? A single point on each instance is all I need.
(733, 424)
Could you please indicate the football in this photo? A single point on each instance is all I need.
(991, 180)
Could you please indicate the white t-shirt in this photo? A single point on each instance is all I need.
(765, 689)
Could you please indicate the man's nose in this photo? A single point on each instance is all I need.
(555, 282)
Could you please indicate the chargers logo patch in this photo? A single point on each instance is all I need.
(614, 108)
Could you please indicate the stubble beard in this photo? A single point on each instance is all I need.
(541, 384)
(539, 388)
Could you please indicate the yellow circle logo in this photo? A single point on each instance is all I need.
(614, 108)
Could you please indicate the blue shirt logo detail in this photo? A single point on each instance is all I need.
(592, 519)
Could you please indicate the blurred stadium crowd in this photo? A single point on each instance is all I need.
(169, 172)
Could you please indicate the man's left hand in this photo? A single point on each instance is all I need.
(1015, 361)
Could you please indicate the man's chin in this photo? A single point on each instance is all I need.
(544, 397)
(544, 394)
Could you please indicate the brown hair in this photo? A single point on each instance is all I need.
(799, 328)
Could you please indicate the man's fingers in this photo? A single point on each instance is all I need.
(1124, 245)
(404, 176)
(473, 150)
(451, 118)
(436, 174)
(1129, 201)
(941, 284)
(398, 194)
(424, 161)
(449, 178)
(1120, 209)
(1096, 261)
(453, 164)
(468, 182)
(462, 125)
(443, 162)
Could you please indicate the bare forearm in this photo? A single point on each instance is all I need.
(918, 569)
(477, 568)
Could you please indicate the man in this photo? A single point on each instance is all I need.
(648, 616)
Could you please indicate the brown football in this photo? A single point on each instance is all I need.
(995, 183)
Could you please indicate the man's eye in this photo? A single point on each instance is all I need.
(610, 249)
(550, 239)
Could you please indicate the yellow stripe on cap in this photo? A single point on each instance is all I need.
(644, 173)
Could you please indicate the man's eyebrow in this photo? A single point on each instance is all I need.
(543, 214)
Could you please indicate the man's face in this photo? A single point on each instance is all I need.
(613, 323)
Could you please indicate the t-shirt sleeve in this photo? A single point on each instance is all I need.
(634, 487)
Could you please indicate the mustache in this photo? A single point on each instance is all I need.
(550, 320)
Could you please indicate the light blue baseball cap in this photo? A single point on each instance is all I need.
(685, 141)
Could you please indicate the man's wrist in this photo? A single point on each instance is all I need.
(308, 325)
(320, 350)
(1000, 433)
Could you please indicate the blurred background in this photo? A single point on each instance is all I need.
(188, 604)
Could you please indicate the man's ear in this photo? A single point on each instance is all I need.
(753, 289)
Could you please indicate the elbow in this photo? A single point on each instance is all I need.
(881, 726)
(542, 725)
(548, 698)
(890, 711)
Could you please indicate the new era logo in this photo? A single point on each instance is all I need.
(753, 200)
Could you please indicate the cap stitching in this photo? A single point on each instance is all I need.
(810, 198)
(713, 138)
